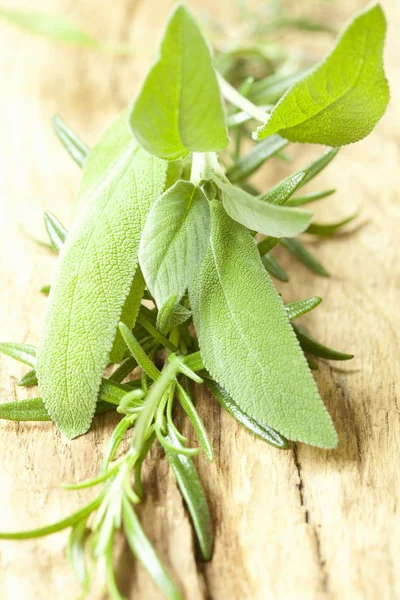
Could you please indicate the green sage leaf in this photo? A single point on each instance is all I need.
(341, 100)
(262, 216)
(255, 355)
(179, 107)
(81, 323)
(174, 242)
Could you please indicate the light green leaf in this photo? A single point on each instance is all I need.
(263, 216)
(144, 551)
(179, 107)
(88, 293)
(174, 242)
(49, 25)
(55, 230)
(255, 355)
(75, 147)
(24, 353)
(341, 100)
(301, 307)
(29, 379)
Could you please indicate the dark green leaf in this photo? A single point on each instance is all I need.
(274, 268)
(192, 491)
(308, 198)
(250, 162)
(328, 229)
(313, 347)
(260, 430)
(303, 255)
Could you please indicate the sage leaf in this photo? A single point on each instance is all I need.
(341, 100)
(49, 25)
(262, 216)
(178, 109)
(145, 553)
(24, 353)
(255, 355)
(304, 256)
(75, 147)
(191, 489)
(301, 307)
(174, 242)
(260, 430)
(81, 323)
(313, 347)
(55, 230)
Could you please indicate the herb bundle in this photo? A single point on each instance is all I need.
(163, 275)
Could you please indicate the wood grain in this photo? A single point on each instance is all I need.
(297, 525)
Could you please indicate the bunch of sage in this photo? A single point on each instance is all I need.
(162, 266)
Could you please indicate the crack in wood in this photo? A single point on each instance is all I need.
(309, 522)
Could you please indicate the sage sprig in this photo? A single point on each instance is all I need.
(163, 276)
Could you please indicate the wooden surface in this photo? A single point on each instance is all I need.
(297, 525)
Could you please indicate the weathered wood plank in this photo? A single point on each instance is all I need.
(302, 524)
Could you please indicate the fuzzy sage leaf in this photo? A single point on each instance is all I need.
(341, 100)
(255, 349)
(174, 242)
(179, 107)
(80, 326)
